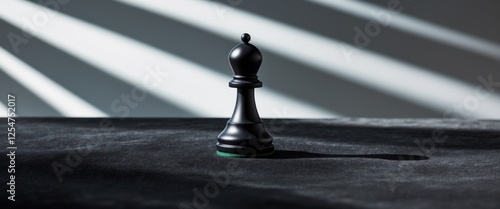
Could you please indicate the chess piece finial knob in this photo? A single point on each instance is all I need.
(245, 37)
(245, 60)
(245, 134)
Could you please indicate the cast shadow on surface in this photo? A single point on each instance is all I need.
(95, 185)
(288, 154)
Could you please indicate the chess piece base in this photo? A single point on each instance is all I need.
(227, 150)
(250, 138)
(227, 154)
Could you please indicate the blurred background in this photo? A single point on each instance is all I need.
(321, 59)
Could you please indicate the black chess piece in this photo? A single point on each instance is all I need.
(245, 134)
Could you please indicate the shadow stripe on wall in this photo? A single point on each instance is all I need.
(470, 17)
(27, 103)
(125, 58)
(445, 59)
(208, 50)
(91, 84)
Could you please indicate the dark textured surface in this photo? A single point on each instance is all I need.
(339, 163)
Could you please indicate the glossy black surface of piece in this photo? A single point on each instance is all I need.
(245, 133)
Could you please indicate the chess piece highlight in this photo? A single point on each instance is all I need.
(245, 134)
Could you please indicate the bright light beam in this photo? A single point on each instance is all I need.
(49, 91)
(419, 27)
(3, 110)
(376, 71)
(199, 90)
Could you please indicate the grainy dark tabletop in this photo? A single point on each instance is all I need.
(336, 163)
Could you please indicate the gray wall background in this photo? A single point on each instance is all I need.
(477, 18)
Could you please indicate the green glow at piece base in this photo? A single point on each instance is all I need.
(227, 154)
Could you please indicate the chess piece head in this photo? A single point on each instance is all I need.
(245, 60)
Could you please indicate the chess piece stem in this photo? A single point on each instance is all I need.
(245, 110)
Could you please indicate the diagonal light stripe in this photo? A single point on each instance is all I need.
(403, 80)
(3, 109)
(419, 27)
(49, 91)
(191, 86)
